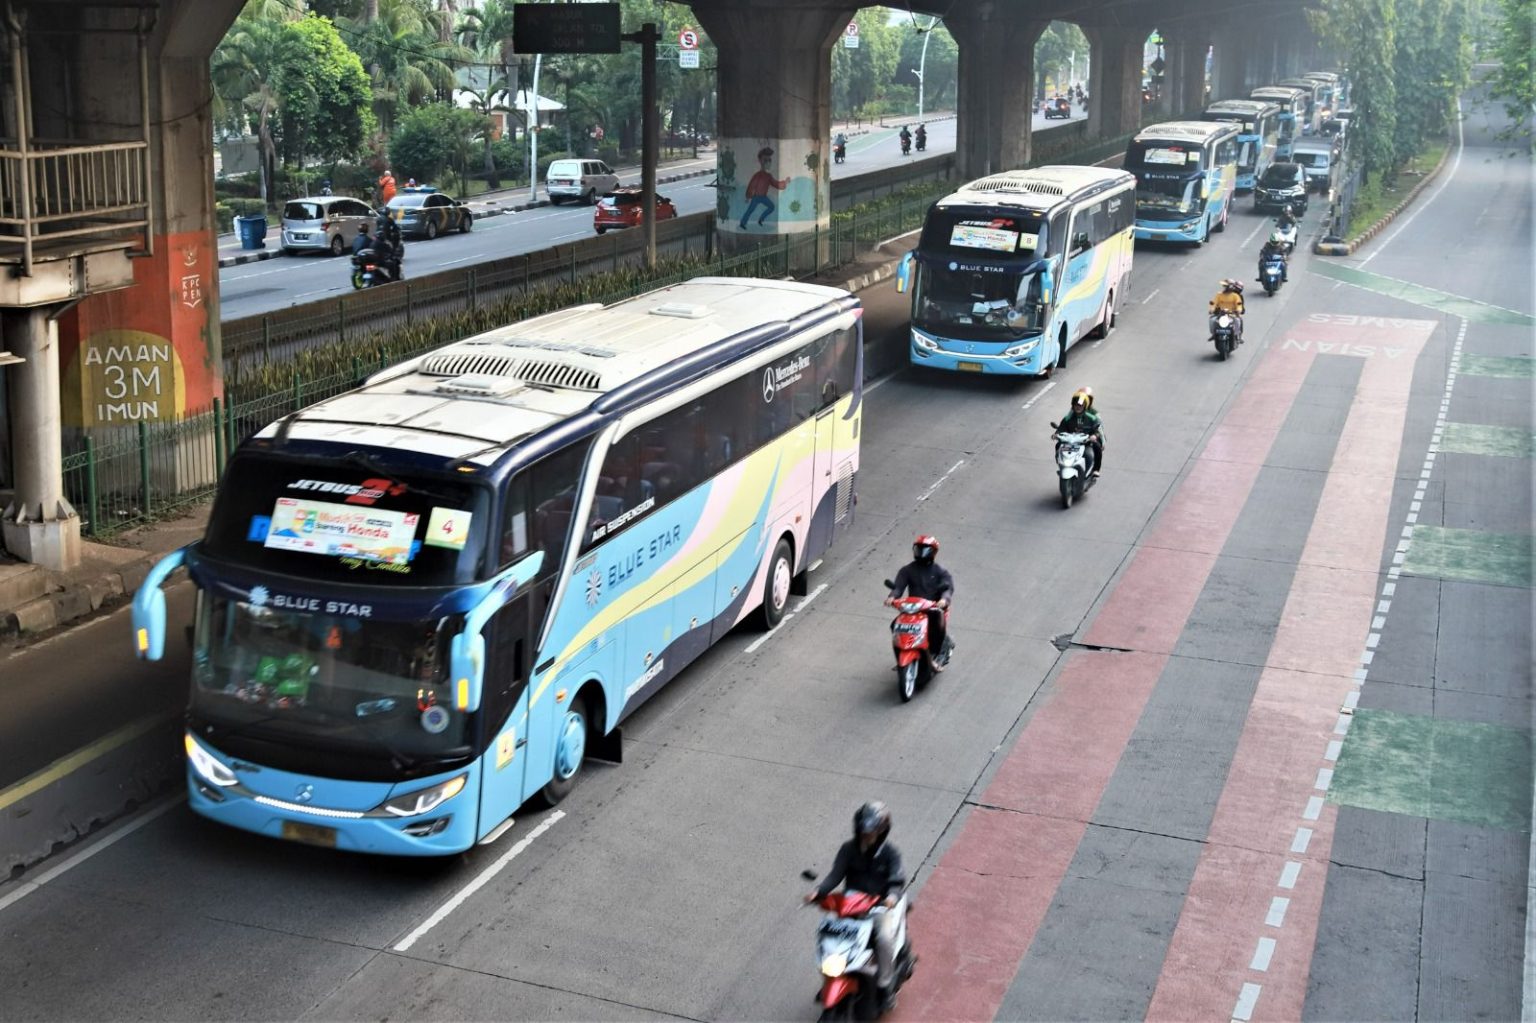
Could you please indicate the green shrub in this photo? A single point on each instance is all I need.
(224, 217)
(246, 207)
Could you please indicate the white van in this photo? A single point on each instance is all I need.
(579, 179)
(1317, 156)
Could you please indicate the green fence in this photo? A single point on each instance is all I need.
(119, 478)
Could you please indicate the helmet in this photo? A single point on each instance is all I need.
(1234, 286)
(925, 548)
(872, 819)
(1276, 238)
(1082, 398)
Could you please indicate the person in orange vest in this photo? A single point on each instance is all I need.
(386, 187)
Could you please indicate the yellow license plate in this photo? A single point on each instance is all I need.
(969, 367)
(309, 834)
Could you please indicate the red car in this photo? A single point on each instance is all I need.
(624, 207)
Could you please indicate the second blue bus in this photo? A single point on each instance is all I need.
(1260, 135)
(1186, 174)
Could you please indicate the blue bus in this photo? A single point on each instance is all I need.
(1012, 269)
(1314, 90)
(1329, 96)
(1293, 113)
(1260, 122)
(429, 600)
(1186, 174)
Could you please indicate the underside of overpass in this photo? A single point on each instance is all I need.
(108, 275)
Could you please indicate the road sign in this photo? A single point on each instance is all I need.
(688, 39)
(565, 28)
(851, 36)
(688, 58)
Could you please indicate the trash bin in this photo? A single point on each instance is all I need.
(252, 230)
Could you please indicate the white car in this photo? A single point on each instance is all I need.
(584, 180)
(323, 223)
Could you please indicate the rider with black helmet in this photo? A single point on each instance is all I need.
(869, 863)
(926, 578)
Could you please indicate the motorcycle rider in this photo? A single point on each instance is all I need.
(364, 239)
(1274, 248)
(387, 250)
(1081, 418)
(1229, 300)
(906, 140)
(1287, 218)
(840, 146)
(926, 578)
(922, 138)
(869, 863)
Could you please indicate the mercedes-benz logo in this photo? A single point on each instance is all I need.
(304, 793)
(768, 384)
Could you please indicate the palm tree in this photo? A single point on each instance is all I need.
(244, 71)
(405, 57)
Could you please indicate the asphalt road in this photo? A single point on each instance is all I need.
(1103, 799)
(260, 287)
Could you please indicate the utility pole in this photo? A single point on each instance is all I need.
(533, 133)
(922, 64)
(647, 37)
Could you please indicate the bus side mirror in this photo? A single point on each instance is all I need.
(466, 652)
(1047, 285)
(904, 274)
(149, 608)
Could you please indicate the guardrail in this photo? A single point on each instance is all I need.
(65, 190)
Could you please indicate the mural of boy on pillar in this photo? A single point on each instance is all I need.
(149, 352)
(757, 189)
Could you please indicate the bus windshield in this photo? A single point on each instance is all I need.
(326, 682)
(348, 520)
(977, 302)
(1167, 198)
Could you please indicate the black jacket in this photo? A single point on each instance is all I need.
(931, 582)
(877, 872)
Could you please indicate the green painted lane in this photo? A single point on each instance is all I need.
(1469, 555)
(1443, 301)
(1512, 367)
(1477, 439)
(1432, 767)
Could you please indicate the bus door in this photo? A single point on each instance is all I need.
(504, 707)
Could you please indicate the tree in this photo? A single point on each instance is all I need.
(327, 95)
(940, 67)
(1054, 51)
(1362, 33)
(1514, 79)
(432, 139)
(243, 79)
(862, 77)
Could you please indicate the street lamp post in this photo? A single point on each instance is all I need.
(922, 64)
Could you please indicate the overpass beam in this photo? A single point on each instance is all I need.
(775, 125)
(1236, 70)
(1186, 50)
(996, 89)
(1114, 91)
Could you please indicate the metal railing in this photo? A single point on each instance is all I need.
(60, 190)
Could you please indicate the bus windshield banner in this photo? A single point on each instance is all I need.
(972, 235)
(339, 530)
(1169, 156)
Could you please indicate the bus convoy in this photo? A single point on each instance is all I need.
(428, 601)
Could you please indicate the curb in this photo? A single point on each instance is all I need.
(869, 279)
(490, 208)
(1358, 241)
(76, 599)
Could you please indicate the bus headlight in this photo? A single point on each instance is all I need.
(1189, 225)
(1023, 349)
(207, 766)
(414, 804)
(924, 342)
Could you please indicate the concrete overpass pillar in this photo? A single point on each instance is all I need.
(1234, 53)
(1185, 88)
(1114, 90)
(39, 525)
(996, 88)
(775, 125)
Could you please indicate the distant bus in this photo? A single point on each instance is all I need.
(431, 599)
(1258, 139)
(1314, 115)
(1328, 96)
(1186, 174)
(1293, 113)
(1012, 269)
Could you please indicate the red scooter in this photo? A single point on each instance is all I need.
(909, 641)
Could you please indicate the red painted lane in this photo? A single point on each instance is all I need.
(980, 909)
(1308, 675)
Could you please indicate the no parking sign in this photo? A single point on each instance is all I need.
(851, 36)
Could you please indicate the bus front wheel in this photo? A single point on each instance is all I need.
(781, 574)
(570, 753)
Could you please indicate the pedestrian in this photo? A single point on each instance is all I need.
(386, 187)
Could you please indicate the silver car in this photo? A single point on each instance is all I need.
(318, 223)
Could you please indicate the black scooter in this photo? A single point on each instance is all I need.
(839, 153)
(922, 141)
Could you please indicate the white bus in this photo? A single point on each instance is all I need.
(1012, 269)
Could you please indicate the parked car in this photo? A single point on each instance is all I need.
(625, 207)
(320, 223)
(429, 214)
(579, 179)
(1283, 184)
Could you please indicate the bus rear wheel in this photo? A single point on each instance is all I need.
(570, 753)
(781, 573)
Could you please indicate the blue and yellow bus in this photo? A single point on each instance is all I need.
(1186, 175)
(1313, 89)
(1328, 92)
(429, 600)
(1260, 134)
(1293, 113)
(1012, 269)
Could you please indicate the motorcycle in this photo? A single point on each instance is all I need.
(1074, 466)
(1224, 333)
(1287, 235)
(1271, 275)
(922, 141)
(906, 145)
(909, 642)
(845, 953)
(839, 153)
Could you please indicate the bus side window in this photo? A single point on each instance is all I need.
(836, 365)
(551, 503)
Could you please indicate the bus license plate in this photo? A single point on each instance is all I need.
(309, 834)
(970, 367)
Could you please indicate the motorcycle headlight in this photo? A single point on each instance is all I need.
(924, 342)
(414, 804)
(208, 767)
(834, 965)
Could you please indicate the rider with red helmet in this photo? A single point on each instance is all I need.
(926, 578)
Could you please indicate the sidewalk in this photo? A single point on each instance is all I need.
(487, 204)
